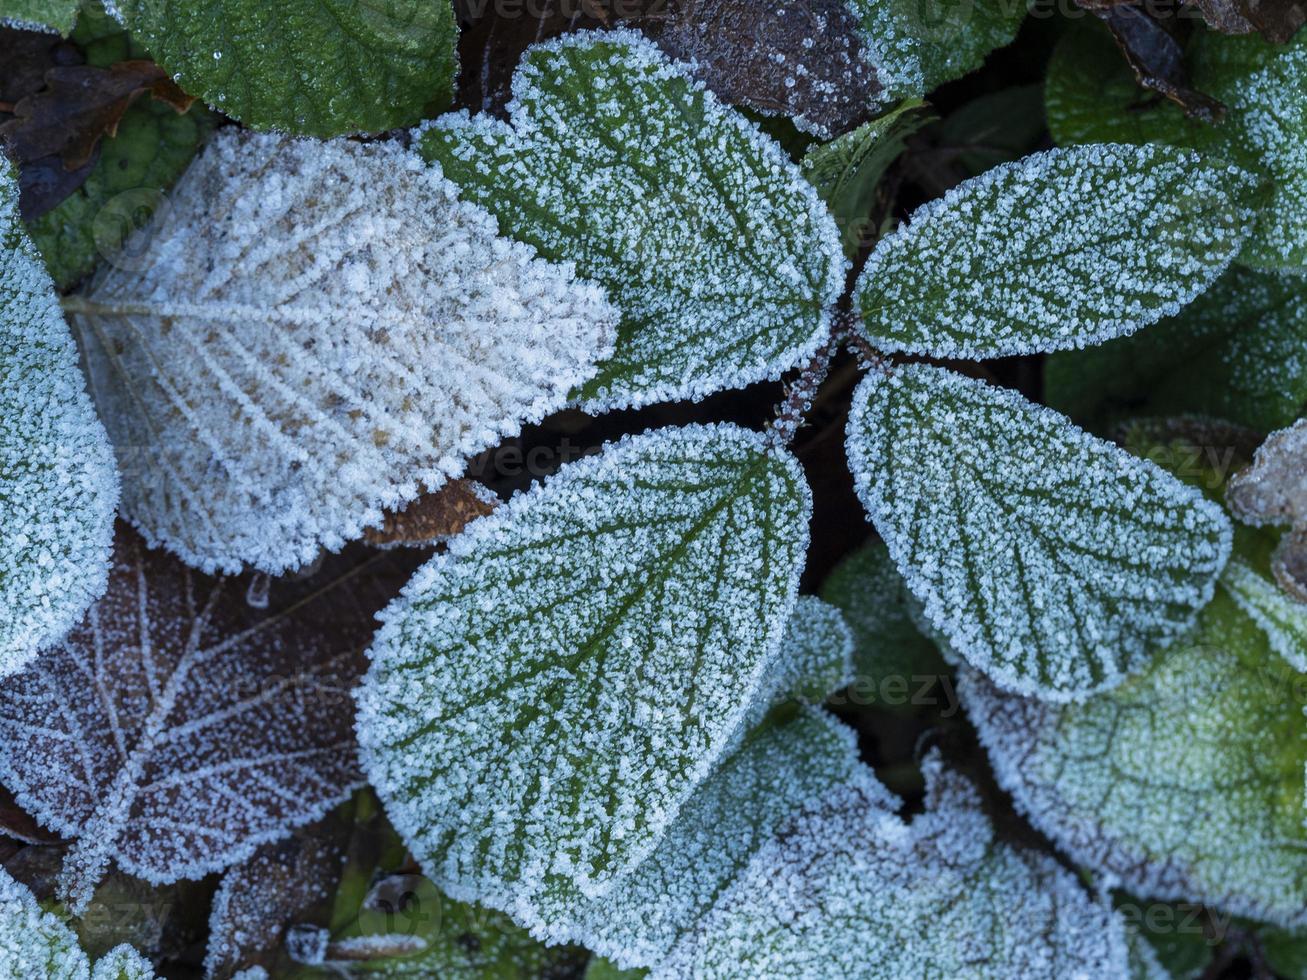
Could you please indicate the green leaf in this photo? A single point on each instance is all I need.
(1238, 352)
(1060, 249)
(916, 47)
(1051, 560)
(814, 660)
(58, 482)
(1286, 952)
(732, 815)
(39, 944)
(310, 67)
(868, 589)
(151, 148)
(846, 888)
(997, 127)
(545, 697)
(55, 16)
(847, 170)
(721, 257)
(1265, 129)
(1185, 782)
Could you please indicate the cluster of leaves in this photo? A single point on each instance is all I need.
(253, 344)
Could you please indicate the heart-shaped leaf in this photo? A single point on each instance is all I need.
(304, 66)
(721, 257)
(318, 331)
(1051, 560)
(1060, 249)
(546, 696)
(58, 485)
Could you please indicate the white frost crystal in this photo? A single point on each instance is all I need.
(544, 698)
(846, 889)
(321, 332)
(38, 945)
(58, 485)
(1060, 249)
(1186, 782)
(721, 256)
(1049, 559)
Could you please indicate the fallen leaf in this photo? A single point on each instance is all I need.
(1273, 490)
(1153, 47)
(79, 105)
(178, 728)
(1275, 20)
(433, 517)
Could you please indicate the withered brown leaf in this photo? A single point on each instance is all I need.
(1273, 490)
(178, 727)
(433, 517)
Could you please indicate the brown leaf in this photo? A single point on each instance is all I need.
(433, 517)
(17, 823)
(178, 726)
(260, 897)
(1275, 20)
(1153, 47)
(81, 104)
(802, 59)
(1289, 564)
(1273, 490)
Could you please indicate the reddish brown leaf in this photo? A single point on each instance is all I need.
(179, 727)
(17, 823)
(433, 517)
(1275, 20)
(1274, 489)
(81, 104)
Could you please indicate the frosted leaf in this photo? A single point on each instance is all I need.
(815, 659)
(1186, 782)
(1237, 352)
(1060, 249)
(915, 47)
(544, 697)
(721, 257)
(869, 591)
(304, 66)
(1051, 560)
(58, 486)
(49, 16)
(1274, 489)
(321, 332)
(177, 728)
(732, 814)
(258, 897)
(39, 945)
(845, 888)
(433, 518)
(1281, 617)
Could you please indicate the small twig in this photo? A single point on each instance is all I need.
(800, 393)
(869, 359)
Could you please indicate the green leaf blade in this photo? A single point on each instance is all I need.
(563, 679)
(1051, 560)
(1061, 249)
(310, 67)
(51, 16)
(721, 257)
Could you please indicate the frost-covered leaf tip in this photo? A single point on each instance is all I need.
(58, 484)
(543, 698)
(1051, 560)
(721, 257)
(1061, 249)
(50, 16)
(321, 332)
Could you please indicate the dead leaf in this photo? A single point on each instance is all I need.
(17, 823)
(433, 517)
(178, 727)
(1273, 490)
(803, 59)
(80, 105)
(1275, 20)
(259, 898)
(1154, 48)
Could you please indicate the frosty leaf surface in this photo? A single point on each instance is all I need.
(58, 485)
(312, 67)
(1237, 352)
(1274, 489)
(815, 658)
(1281, 617)
(721, 257)
(846, 888)
(1186, 781)
(869, 591)
(54, 16)
(317, 332)
(38, 944)
(915, 48)
(1265, 129)
(178, 726)
(731, 815)
(1049, 559)
(1064, 248)
(544, 698)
